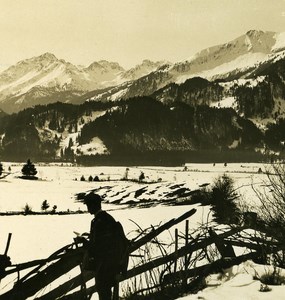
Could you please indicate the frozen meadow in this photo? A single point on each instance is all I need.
(38, 236)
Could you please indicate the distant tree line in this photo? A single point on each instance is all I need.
(148, 125)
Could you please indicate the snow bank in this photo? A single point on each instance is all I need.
(239, 283)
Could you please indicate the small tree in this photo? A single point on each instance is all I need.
(29, 169)
(272, 200)
(27, 209)
(141, 177)
(222, 198)
(45, 205)
(54, 209)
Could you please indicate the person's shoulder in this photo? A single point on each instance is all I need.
(106, 216)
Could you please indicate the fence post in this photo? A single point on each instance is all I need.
(176, 248)
(186, 256)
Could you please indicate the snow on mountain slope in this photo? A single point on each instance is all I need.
(143, 69)
(56, 77)
(243, 62)
(239, 55)
(96, 146)
(250, 82)
(225, 102)
(45, 70)
(112, 94)
(279, 42)
(53, 76)
(236, 59)
(48, 71)
(104, 72)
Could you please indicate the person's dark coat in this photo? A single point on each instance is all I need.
(101, 248)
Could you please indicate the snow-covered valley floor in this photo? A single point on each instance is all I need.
(38, 236)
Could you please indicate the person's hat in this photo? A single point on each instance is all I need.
(92, 198)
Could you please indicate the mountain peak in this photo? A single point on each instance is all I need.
(260, 41)
(104, 64)
(48, 55)
(45, 57)
(254, 33)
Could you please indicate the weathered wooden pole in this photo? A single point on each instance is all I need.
(175, 249)
(186, 255)
(8, 243)
(83, 282)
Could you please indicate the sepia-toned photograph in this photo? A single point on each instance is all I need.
(142, 149)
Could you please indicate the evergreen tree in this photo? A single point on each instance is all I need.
(45, 205)
(27, 209)
(222, 198)
(29, 169)
(141, 177)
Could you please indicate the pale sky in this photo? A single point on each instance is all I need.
(128, 31)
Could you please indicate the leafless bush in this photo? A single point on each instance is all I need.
(272, 209)
(272, 200)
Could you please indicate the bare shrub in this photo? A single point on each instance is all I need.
(272, 200)
(272, 210)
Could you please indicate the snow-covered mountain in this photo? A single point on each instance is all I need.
(46, 71)
(45, 78)
(142, 69)
(236, 59)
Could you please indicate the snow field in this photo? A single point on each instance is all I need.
(38, 236)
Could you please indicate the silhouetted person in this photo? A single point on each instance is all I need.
(101, 246)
